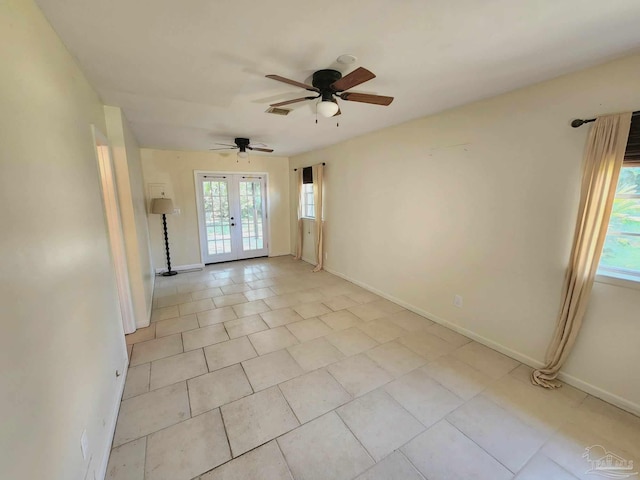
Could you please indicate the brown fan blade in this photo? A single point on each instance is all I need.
(293, 82)
(227, 145)
(268, 150)
(366, 98)
(224, 148)
(358, 76)
(280, 104)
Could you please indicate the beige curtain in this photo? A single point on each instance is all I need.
(300, 213)
(603, 159)
(318, 182)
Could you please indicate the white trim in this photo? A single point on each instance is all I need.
(101, 472)
(115, 232)
(628, 282)
(531, 362)
(179, 268)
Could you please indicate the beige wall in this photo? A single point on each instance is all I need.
(176, 170)
(481, 201)
(61, 340)
(126, 158)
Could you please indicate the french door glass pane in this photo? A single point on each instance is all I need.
(251, 204)
(216, 214)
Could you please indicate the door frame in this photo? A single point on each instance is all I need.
(200, 213)
(113, 221)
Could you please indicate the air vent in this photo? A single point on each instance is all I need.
(279, 111)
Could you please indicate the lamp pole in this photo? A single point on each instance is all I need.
(169, 272)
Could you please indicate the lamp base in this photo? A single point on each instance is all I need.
(170, 273)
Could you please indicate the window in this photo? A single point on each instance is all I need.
(621, 253)
(308, 206)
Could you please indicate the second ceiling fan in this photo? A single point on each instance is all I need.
(328, 84)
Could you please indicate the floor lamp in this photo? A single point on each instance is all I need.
(164, 206)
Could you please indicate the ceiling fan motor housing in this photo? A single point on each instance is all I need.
(322, 80)
(242, 143)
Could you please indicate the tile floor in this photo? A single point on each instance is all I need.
(261, 369)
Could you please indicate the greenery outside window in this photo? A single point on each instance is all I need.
(621, 253)
(308, 206)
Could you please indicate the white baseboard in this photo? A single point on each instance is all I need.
(101, 472)
(532, 362)
(180, 268)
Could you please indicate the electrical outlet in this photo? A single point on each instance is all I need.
(457, 301)
(84, 444)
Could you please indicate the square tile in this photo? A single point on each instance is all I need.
(340, 302)
(214, 317)
(315, 354)
(341, 320)
(380, 423)
(163, 313)
(229, 353)
(425, 399)
(503, 435)
(141, 335)
(245, 326)
(272, 340)
(126, 462)
(204, 336)
(363, 296)
(177, 368)
(448, 335)
(382, 330)
(324, 449)
(309, 310)
(412, 322)
(264, 463)
(256, 419)
(218, 388)
(394, 467)
(170, 300)
(207, 293)
(150, 412)
(250, 308)
(310, 296)
(351, 341)
(271, 369)
(155, 349)
(187, 449)
(176, 325)
(463, 380)
(195, 307)
(277, 318)
(438, 455)
(368, 312)
(235, 288)
(259, 294)
(137, 381)
(427, 345)
(541, 467)
(395, 358)
(488, 361)
(314, 394)
(282, 301)
(359, 374)
(229, 300)
(309, 329)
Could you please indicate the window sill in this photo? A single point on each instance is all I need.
(309, 218)
(622, 281)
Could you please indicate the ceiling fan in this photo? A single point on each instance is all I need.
(328, 84)
(242, 145)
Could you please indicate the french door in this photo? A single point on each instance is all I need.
(232, 216)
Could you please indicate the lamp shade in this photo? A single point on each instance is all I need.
(161, 205)
(327, 108)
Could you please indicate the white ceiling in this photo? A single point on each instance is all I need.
(189, 73)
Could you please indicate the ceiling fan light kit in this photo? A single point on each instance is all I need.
(329, 84)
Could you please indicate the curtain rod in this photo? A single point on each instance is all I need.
(579, 122)
(295, 169)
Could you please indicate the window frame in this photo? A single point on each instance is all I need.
(305, 202)
(620, 276)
